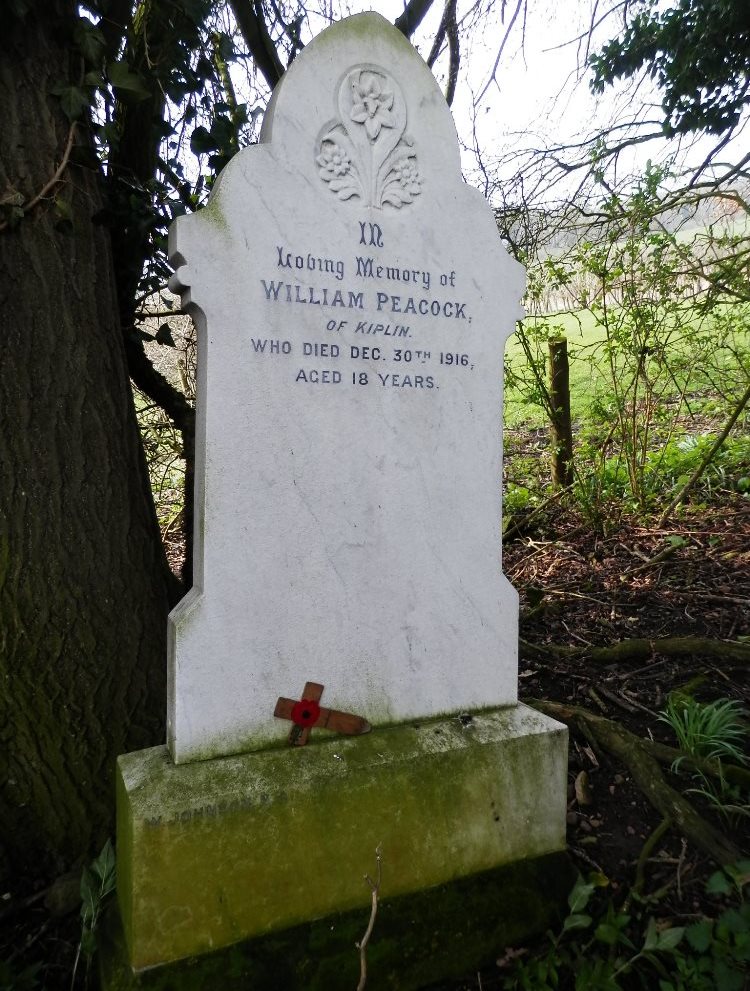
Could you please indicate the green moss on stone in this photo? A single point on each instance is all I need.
(441, 933)
(219, 851)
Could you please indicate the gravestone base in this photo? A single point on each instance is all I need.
(251, 847)
(441, 934)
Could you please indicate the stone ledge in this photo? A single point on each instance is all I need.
(213, 853)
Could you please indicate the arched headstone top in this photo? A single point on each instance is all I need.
(377, 115)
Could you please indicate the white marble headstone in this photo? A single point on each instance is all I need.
(352, 299)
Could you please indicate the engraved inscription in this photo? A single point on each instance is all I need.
(363, 343)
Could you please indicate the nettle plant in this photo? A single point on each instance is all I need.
(606, 947)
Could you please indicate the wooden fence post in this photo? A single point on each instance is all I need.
(559, 395)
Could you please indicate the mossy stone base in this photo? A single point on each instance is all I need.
(419, 940)
(217, 852)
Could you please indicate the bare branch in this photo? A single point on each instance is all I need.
(516, 12)
(451, 28)
(413, 15)
(252, 24)
(362, 945)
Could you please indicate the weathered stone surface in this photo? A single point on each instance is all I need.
(353, 299)
(442, 933)
(211, 853)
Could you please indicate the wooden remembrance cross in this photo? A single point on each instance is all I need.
(307, 713)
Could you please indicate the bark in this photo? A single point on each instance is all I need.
(83, 579)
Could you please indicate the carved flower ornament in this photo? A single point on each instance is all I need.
(365, 152)
(373, 106)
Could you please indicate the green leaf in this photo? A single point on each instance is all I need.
(89, 41)
(652, 937)
(88, 942)
(201, 141)
(579, 896)
(577, 921)
(739, 872)
(718, 884)
(732, 921)
(124, 79)
(676, 541)
(700, 934)
(727, 978)
(608, 934)
(89, 894)
(74, 100)
(669, 938)
(104, 869)
(164, 336)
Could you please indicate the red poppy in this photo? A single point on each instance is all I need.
(305, 712)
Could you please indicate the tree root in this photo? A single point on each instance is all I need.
(728, 772)
(647, 775)
(644, 650)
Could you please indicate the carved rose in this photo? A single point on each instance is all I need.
(372, 104)
(333, 161)
(408, 176)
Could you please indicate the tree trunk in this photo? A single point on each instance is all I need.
(83, 579)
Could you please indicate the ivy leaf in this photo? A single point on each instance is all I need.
(89, 41)
(727, 978)
(74, 100)
(124, 79)
(201, 141)
(164, 336)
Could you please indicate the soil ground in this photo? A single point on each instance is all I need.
(580, 588)
(576, 588)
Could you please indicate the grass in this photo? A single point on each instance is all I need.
(586, 379)
(703, 354)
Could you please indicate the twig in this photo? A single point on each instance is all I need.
(708, 457)
(515, 528)
(52, 182)
(651, 562)
(362, 945)
(648, 847)
(680, 865)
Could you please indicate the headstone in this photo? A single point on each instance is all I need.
(353, 300)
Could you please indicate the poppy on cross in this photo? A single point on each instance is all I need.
(308, 712)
